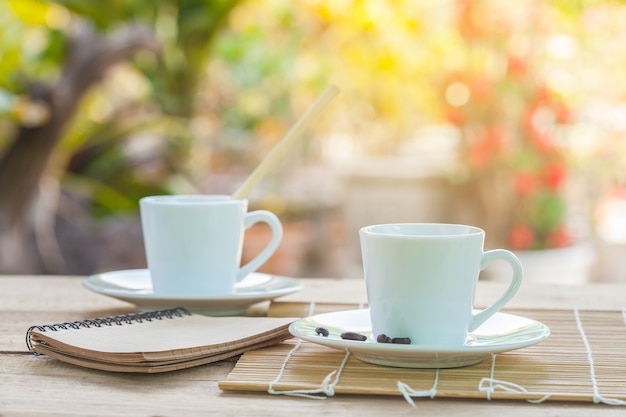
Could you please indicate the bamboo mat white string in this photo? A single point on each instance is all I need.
(597, 397)
(327, 387)
(583, 360)
(408, 393)
(490, 384)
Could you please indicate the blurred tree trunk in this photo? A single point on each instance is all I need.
(25, 161)
(177, 82)
(178, 78)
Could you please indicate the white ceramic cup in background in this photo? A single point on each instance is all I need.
(421, 280)
(194, 243)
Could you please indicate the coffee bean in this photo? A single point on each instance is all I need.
(401, 340)
(353, 336)
(383, 338)
(321, 331)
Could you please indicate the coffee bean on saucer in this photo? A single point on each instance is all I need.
(383, 338)
(321, 331)
(353, 336)
(401, 340)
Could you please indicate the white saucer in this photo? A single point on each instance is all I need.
(135, 286)
(501, 333)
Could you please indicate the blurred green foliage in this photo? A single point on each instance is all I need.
(233, 76)
(154, 95)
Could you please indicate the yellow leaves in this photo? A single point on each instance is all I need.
(33, 12)
(253, 104)
(386, 62)
(30, 113)
(57, 17)
(40, 13)
(270, 130)
(242, 19)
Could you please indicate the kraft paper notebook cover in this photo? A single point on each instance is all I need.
(155, 341)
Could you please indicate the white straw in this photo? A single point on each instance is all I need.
(294, 133)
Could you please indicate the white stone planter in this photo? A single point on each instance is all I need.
(570, 265)
(392, 190)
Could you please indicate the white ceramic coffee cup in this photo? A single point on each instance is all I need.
(421, 280)
(194, 243)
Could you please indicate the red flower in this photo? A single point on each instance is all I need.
(479, 155)
(454, 116)
(525, 183)
(541, 141)
(543, 94)
(559, 238)
(509, 127)
(563, 113)
(486, 147)
(617, 192)
(517, 67)
(466, 21)
(521, 237)
(495, 138)
(554, 176)
(480, 87)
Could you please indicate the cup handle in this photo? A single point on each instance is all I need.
(277, 234)
(516, 281)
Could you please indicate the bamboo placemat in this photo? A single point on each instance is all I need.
(584, 359)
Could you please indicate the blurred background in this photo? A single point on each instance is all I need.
(508, 116)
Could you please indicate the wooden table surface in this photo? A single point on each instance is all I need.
(30, 386)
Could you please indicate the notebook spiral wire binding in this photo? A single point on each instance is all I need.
(117, 320)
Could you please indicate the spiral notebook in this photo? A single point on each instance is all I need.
(154, 341)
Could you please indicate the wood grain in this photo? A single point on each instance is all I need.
(43, 387)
